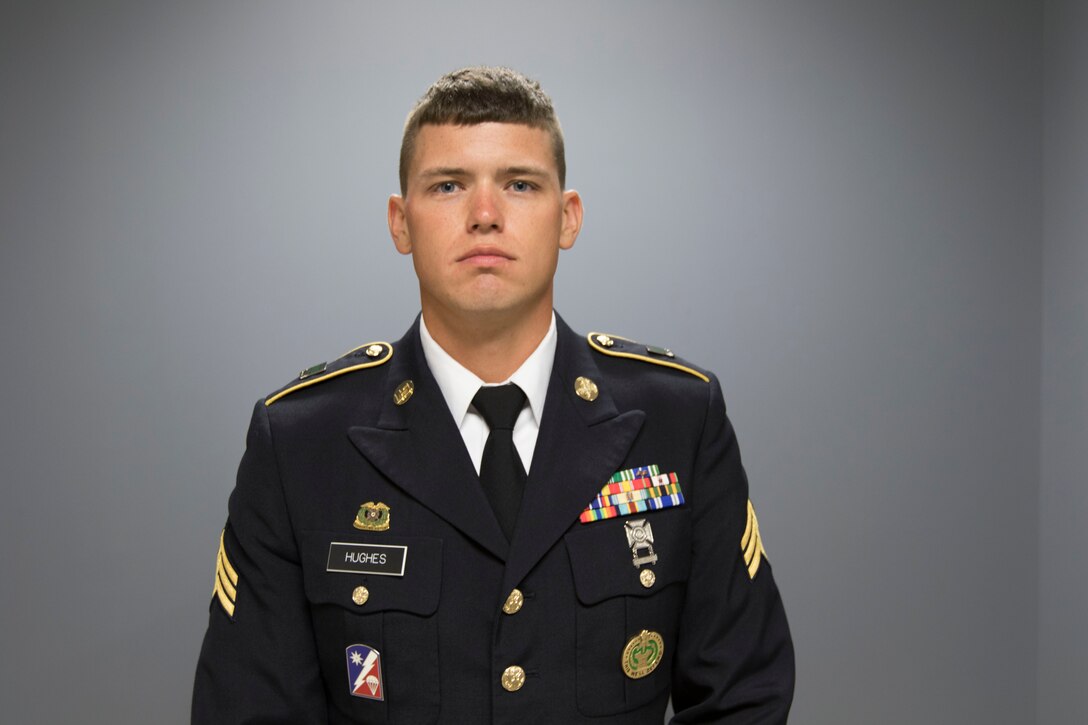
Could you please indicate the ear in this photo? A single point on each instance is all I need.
(398, 224)
(572, 219)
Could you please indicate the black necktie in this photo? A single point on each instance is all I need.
(501, 471)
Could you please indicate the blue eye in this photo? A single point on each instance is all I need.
(521, 186)
(447, 187)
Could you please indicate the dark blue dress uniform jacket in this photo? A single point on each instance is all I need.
(315, 455)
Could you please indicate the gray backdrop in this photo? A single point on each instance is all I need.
(867, 216)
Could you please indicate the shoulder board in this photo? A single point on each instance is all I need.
(616, 346)
(370, 355)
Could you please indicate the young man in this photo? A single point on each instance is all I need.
(386, 558)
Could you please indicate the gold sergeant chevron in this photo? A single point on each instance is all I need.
(752, 543)
(226, 579)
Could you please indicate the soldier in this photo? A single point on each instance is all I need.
(493, 519)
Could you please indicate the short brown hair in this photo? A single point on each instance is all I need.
(483, 94)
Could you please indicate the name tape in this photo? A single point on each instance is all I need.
(380, 559)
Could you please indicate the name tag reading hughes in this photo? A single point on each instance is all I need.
(381, 559)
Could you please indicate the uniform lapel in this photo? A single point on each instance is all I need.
(580, 445)
(418, 447)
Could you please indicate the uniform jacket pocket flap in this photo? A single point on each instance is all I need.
(604, 565)
(395, 574)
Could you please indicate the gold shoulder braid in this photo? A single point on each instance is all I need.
(370, 355)
(616, 346)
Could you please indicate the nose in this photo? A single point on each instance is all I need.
(485, 211)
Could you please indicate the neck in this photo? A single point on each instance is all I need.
(491, 348)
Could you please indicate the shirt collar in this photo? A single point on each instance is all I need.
(459, 385)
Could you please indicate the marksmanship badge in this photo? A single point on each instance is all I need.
(365, 672)
(640, 537)
(372, 517)
(642, 654)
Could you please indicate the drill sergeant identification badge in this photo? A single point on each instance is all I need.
(642, 654)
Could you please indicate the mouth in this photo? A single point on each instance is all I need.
(485, 256)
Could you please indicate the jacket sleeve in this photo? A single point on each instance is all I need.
(734, 662)
(258, 662)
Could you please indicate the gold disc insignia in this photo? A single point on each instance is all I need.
(404, 392)
(585, 388)
(642, 654)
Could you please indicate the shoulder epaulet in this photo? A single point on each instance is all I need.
(370, 355)
(616, 346)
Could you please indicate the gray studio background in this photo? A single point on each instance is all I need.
(868, 217)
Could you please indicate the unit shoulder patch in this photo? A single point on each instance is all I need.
(616, 346)
(370, 355)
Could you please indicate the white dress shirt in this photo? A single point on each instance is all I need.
(459, 386)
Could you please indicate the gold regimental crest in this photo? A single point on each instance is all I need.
(643, 654)
(372, 517)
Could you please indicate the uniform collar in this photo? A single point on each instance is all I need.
(459, 384)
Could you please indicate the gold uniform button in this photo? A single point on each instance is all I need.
(605, 341)
(374, 350)
(513, 678)
(359, 595)
(647, 578)
(514, 602)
